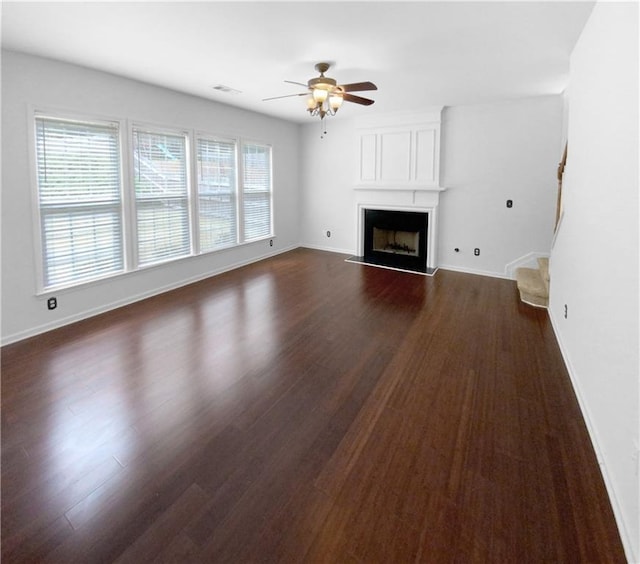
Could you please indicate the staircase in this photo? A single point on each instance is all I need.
(533, 284)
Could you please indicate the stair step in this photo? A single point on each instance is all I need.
(543, 266)
(533, 286)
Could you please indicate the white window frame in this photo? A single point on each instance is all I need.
(128, 207)
(34, 113)
(241, 218)
(147, 127)
(196, 192)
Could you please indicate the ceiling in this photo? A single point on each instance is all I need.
(418, 53)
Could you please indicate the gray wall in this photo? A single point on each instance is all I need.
(29, 82)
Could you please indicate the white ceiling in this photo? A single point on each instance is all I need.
(418, 53)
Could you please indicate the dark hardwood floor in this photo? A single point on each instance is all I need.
(302, 409)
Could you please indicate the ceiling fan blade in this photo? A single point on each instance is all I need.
(285, 96)
(294, 82)
(358, 86)
(357, 99)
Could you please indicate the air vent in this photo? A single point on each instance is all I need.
(226, 89)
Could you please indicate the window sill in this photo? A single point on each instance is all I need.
(46, 292)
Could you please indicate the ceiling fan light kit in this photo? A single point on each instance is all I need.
(325, 95)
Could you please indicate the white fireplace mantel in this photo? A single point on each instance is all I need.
(399, 188)
(393, 196)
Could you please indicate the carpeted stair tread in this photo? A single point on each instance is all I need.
(533, 284)
(543, 267)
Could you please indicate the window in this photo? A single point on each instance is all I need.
(80, 202)
(161, 196)
(216, 164)
(256, 191)
(177, 194)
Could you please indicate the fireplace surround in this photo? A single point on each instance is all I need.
(398, 170)
(397, 237)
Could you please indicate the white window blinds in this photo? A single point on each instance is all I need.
(80, 203)
(161, 196)
(216, 165)
(173, 200)
(256, 191)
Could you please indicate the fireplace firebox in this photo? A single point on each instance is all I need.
(396, 239)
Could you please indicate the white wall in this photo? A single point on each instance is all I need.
(489, 154)
(48, 84)
(594, 262)
(328, 175)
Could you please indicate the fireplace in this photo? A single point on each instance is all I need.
(400, 236)
(396, 239)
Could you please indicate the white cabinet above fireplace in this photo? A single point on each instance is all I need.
(399, 151)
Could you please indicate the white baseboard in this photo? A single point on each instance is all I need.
(32, 332)
(440, 266)
(615, 505)
(329, 249)
(474, 271)
(530, 260)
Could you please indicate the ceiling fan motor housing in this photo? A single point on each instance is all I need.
(323, 83)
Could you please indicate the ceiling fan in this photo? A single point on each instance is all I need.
(325, 95)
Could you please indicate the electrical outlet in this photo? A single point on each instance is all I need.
(271, 242)
(509, 203)
(52, 303)
(328, 233)
(566, 311)
(476, 252)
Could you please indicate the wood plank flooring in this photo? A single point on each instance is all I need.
(302, 409)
